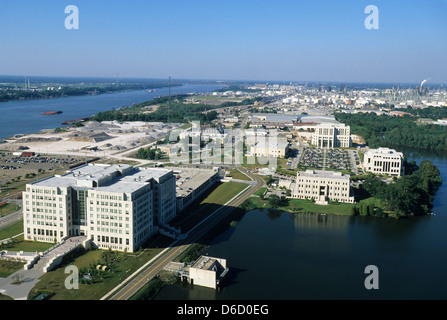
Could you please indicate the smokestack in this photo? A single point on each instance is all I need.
(424, 81)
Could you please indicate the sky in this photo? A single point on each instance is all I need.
(260, 40)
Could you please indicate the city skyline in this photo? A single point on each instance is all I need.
(320, 41)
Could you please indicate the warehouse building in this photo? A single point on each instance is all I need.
(192, 183)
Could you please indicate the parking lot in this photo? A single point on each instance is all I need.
(337, 159)
(16, 168)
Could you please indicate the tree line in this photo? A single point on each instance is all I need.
(66, 91)
(430, 112)
(386, 131)
(412, 194)
(174, 110)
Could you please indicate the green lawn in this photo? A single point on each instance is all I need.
(12, 230)
(301, 205)
(8, 209)
(260, 191)
(236, 174)
(54, 281)
(225, 192)
(29, 246)
(198, 211)
(9, 267)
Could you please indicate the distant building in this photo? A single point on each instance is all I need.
(323, 186)
(263, 144)
(276, 150)
(383, 161)
(272, 120)
(331, 135)
(208, 271)
(116, 206)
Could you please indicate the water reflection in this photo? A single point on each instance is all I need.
(323, 222)
(281, 255)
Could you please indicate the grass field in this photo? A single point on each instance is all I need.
(236, 174)
(200, 210)
(9, 267)
(8, 209)
(260, 191)
(123, 267)
(225, 192)
(12, 230)
(300, 205)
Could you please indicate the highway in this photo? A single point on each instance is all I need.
(194, 235)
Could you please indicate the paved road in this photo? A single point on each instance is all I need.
(167, 257)
(12, 218)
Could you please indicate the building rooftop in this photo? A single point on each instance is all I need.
(274, 117)
(109, 178)
(318, 119)
(322, 174)
(204, 263)
(122, 186)
(190, 179)
(384, 151)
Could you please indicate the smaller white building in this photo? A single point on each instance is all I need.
(266, 144)
(208, 271)
(383, 161)
(323, 186)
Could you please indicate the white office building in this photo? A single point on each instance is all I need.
(323, 186)
(383, 161)
(116, 206)
(269, 149)
(331, 135)
(261, 143)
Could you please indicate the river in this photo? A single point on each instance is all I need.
(24, 117)
(282, 256)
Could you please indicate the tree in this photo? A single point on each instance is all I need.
(275, 201)
(270, 180)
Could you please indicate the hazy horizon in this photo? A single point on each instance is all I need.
(21, 78)
(290, 41)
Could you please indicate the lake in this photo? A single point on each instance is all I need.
(24, 117)
(282, 256)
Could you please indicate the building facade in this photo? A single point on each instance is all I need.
(266, 144)
(116, 206)
(323, 186)
(330, 135)
(383, 161)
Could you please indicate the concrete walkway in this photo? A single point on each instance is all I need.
(29, 278)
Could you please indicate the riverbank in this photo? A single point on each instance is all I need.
(63, 91)
(369, 206)
(25, 117)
